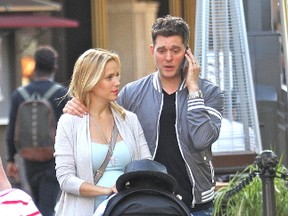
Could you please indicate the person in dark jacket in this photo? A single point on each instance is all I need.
(41, 176)
(179, 111)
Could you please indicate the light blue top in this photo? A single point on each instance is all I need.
(121, 156)
(73, 158)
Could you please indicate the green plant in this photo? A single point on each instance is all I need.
(248, 201)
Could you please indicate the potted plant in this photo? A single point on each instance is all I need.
(248, 200)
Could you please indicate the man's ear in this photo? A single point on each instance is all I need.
(55, 68)
(151, 47)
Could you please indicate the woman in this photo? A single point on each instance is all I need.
(82, 143)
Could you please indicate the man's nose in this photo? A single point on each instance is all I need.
(168, 56)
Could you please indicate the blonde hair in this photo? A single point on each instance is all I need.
(87, 72)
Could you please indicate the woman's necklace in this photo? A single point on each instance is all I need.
(100, 131)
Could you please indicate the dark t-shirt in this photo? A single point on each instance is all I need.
(168, 152)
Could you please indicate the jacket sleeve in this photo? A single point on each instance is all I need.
(141, 147)
(142, 143)
(11, 149)
(123, 97)
(66, 171)
(204, 117)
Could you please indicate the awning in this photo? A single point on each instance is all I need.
(36, 21)
(29, 6)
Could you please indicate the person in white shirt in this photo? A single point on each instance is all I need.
(14, 202)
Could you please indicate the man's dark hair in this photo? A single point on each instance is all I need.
(171, 26)
(45, 59)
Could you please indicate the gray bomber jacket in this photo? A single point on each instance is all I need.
(198, 123)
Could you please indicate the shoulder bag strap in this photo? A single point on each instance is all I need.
(98, 174)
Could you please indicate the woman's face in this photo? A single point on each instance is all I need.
(107, 88)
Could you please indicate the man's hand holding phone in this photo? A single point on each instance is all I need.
(192, 72)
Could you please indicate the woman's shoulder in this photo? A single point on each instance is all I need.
(129, 118)
(69, 118)
(130, 115)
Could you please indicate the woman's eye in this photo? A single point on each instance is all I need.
(109, 77)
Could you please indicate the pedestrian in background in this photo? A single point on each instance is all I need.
(41, 175)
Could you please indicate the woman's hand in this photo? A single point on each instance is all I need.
(114, 190)
(90, 190)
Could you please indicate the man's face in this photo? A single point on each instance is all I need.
(168, 54)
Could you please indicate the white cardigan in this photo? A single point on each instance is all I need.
(74, 160)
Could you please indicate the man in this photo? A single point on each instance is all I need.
(41, 176)
(180, 113)
(14, 202)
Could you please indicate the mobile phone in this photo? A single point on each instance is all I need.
(185, 62)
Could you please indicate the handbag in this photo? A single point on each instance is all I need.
(98, 174)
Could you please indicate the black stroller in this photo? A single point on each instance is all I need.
(145, 189)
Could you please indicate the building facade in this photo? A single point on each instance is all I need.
(124, 26)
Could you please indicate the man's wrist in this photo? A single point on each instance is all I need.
(196, 94)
